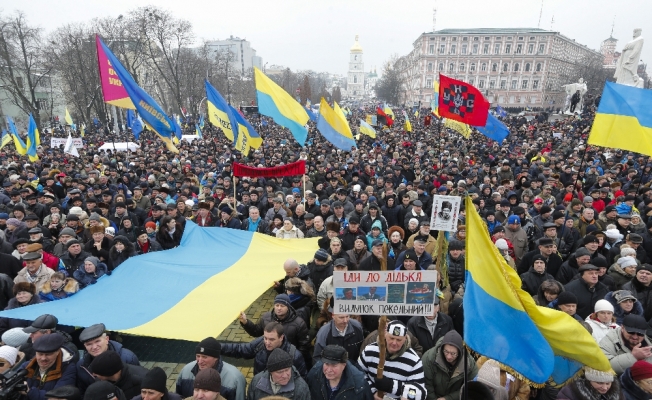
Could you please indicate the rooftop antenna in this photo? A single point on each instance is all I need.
(540, 14)
(611, 35)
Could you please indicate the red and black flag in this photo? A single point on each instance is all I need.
(383, 118)
(462, 102)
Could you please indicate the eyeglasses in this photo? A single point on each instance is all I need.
(450, 353)
(635, 334)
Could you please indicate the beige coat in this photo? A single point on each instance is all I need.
(42, 276)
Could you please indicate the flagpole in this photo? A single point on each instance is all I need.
(304, 190)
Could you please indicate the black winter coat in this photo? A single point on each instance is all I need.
(417, 325)
(532, 280)
(318, 273)
(586, 297)
(643, 294)
(256, 349)
(296, 331)
(456, 273)
(130, 380)
(568, 270)
(371, 263)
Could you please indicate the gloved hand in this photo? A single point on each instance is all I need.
(384, 384)
(94, 281)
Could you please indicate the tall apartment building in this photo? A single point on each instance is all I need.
(514, 67)
(244, 56)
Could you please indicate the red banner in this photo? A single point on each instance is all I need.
(295, 168)
(462, 102)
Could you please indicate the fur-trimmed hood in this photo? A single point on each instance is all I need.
(582, 389)
(104, 221)
(70, 286)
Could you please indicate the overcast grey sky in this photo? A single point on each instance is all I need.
(317, 35)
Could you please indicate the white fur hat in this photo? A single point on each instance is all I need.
(603, 305)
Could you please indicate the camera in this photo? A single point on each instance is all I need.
(12, 384)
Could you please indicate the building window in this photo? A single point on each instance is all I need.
(539, 67)
(481, 84)
(428, 83)
(431, 49)
(464, 49)
(471, 81)
(505, 67)
(355, 79)
(492, 84)
(443, 39)
(524, 84)
(527, 67)
(487, 38)
(503, 84)
(430, 67)
(441, 66)
(508, 48)
(454, 39)
(530, 48)
(532, 38)
(514, 84)
(497, 48)
(453, 48)
(516, 67)
(535, 84)
(451, 67)
(483, 67)
(485, 49)
(494, 67)
(472, 68)
(475, 39)
(475, 48)
(442, 49)
(462, 67)
(542, 48)
(520, 38)
(519, 48)
(465, 39)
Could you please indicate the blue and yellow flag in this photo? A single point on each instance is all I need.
(82, 129)
(147, 108)
(502, 322)
(198, 131)
(21, 147)
(434, 104)
(406, 125)
(219, 113)
(214, 263)
(68, 118)
(388, 111)
(32, 135)
(624, 119)
(276, 103)
(459, 127)
(134, 122)
(201, 122)
(6, 139)
(178, 133)
(247, 135)
(367, 129)
(333, 126)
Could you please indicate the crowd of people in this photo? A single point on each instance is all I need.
(571, 219)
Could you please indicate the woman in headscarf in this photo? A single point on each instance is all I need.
(122, 250)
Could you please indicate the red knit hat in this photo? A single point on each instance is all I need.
(568, 197)
(641, 370)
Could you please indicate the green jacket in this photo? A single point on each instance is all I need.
(438, 381)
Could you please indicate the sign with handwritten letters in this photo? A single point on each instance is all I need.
(384, 292)
(56, 142)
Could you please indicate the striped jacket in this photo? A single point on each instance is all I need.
(405, 370)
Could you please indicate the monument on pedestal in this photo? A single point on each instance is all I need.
(575, 96)
(627, 67)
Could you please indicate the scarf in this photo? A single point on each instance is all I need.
(33, 278)
(253, 226)
(431, 325)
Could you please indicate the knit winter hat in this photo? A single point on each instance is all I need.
(321, 255)
(627, 261)
(155, 379)
(454, 339)
(9, 353)
(641, 370)
(283, 299)
(278, 360)
(150, 224)
(603, 305)
(489, 374)
(15, 337)
(95, 217)
(108, 363)
(209, 347)
(599, 376)
(93, 260)
(566, 298)
(209, 379)
(13, 222)
(68, 231)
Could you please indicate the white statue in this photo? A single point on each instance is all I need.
(575, 96)
(627, 67)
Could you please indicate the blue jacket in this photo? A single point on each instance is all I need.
(85, 279)
(233, 382)
(353, 384)
(256, 350)
(85, 378)
(62, 373)
(424, 261)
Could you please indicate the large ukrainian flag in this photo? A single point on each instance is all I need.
(220, 113)
(501, 321)
(624, 119)
(334, 127)
(191, 292)
(277, 104)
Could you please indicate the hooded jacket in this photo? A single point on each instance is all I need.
(619, 313)
(442, 379)
(85, 278)
(69, 287)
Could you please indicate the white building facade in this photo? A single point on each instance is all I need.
(244, 56)
(355, 87)
(513, 67)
